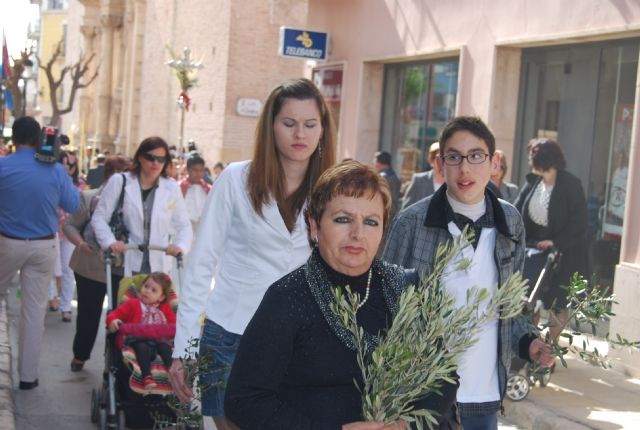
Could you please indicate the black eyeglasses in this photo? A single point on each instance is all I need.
(150, 157)
(455, 159)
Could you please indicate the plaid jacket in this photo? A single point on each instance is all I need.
(412, 243)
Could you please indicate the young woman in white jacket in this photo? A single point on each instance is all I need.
(153, 205)
(251, 233)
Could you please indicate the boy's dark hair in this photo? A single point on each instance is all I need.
(26, 131)
(383, 157)
(164, 281)
(195, 159)
(548, 154)
(473, 125)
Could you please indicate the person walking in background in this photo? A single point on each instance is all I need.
(152, 206)
(425, 183)
(88, 267)
(554, 210)
(467, 160)
(251, 233)
(95, 176)
(383, 165)
(508, 191)
(217, 169)
(70, 163)
(27, 235)
(195, 189)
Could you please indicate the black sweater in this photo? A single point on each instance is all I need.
(292, 371)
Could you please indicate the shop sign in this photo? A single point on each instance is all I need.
(248, 107)
(306, 44)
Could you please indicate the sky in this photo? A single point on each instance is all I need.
(15, 16)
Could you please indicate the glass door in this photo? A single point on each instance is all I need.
(418, 100)
(582, 96)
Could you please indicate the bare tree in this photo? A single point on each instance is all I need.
(76, 72)
(11, 83)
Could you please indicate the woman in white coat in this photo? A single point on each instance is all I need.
(153, 205)
(251, 233)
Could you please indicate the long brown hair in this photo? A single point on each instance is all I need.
(266, 175)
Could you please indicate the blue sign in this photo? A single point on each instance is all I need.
(303, 44)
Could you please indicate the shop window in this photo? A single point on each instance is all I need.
(418, 100)
(329, 82)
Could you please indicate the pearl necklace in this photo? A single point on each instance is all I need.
(366, 295)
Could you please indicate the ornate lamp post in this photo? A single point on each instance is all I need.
(185, 69)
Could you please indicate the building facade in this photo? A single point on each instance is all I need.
(565, 70)
(397, 71)
(136, 92)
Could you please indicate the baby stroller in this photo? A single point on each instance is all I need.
(118, 402)
(524, 374)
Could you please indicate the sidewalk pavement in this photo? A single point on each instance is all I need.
(7, 404)
(581, 396)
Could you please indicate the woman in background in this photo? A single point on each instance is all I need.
(554, 211)
(88, 267)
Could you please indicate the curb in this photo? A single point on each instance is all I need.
(7, 401)
(526, 413)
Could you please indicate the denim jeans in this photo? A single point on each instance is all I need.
(481, 422)
(221, 347)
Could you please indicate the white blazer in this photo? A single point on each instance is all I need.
(168, 213)
(245, 252)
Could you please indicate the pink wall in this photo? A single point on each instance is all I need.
(370, 31)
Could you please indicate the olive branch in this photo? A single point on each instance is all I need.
(187, 414)
(419, 352)
(588, 304)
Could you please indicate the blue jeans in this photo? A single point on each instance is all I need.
(221, 347)
(481, 422)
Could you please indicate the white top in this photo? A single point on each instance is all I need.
(168, 214)
(194, 201)
(473, 212)
(539, 204)
(478, 365)
(245, 253)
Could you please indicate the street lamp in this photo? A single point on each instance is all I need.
(185, 70)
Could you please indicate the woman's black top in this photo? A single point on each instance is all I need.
(294, 368)
(567, 226)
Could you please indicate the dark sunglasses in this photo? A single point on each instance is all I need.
(71, 165)
(150, 157)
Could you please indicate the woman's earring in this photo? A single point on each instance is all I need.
(314, 239)
(320, 150)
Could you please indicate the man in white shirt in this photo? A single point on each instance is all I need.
(195, 189)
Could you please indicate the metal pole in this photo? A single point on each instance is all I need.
(2, 89)
(24, 97)
(182, 146)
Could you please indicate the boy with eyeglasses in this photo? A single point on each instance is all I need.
(467, 161)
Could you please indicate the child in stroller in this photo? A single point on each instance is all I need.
(151, 307)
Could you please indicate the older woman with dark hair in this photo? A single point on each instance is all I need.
(304, 373)
(554, 210)
(152, 206)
